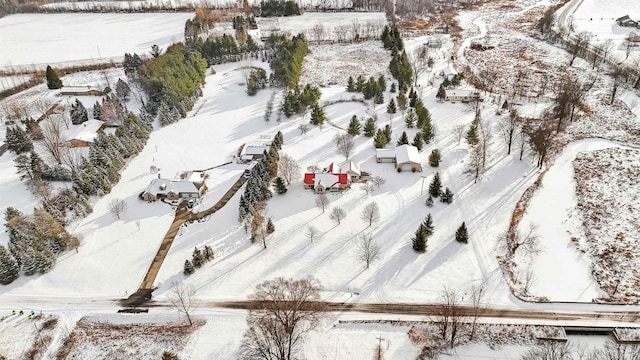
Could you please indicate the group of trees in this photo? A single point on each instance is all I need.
(225, 48)
(422, 235)
(297, 101)
(286, 65)
(257, 80)
(435, 190)
(34, 243)
(198, 259)
(172, 80)
(269, 8)
(371, 89)
(289, 309)
(258, 190)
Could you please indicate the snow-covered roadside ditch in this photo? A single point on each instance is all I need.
(561, 271)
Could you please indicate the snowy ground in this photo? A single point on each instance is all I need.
(598, 18)
(92, 39)
(114, 254)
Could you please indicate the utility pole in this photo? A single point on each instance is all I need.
(379, 350)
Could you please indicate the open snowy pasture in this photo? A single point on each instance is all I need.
(367, 24)
(23, 337)
(124, 336)
(607, 192)
(327, 65)
(61, 39)
(599, 19)
(170, 4)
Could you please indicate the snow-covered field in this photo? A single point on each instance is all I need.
(598, 18)
(114, 254)
(72, 38)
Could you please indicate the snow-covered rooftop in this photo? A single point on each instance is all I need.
(407, 153)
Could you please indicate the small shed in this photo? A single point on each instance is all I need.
(353, 171)
(461, 95)
(84, 134)
(385, 156)
(407, 158)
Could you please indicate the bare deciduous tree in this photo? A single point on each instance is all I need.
(289, 309)
(53, 139)
(304, 128)
(322, 201)
(117, 207)
(450, 318)
(459, 131)
(578, 44)
(368, 250)
(379, 181)
(72, 157)
(344, 144)
(312, 233)
(367, 187)
(419, 62)
(527, 282)
(549, 350)
(477, 297)
(484, 134)
(540, 139)
(509, 128)
(526, 240)
(183, 298)
(371, 213)
(475, 162)
(288, 168)
(337, 214)
(318, 32)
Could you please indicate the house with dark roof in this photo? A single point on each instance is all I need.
(627, 21)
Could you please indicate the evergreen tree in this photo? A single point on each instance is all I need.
(401, 100)
(404, 139)
(279, 139)
(354, 126)
(378, 98)
(447, 196)
(382, 83)
(97, 110)
(252, 86)
(435, 157)
(392, 88)
(208, 253)
(18, 140)
(370, 127)
(387, 133)
(45, 260)
(243, 208)
(78, 113)
(391, 108)
(270, 227)
(9, 270)
(360, 84)
(380, 139)
(10, 213)
(23, 167)
(472, 134)
(428, 225)
(435, 187)
(429, 202)
(441, 92)
(281, 187)
(417, 141)
(53, 79)
(351, 85)
(197, 258)
(413, 97)
(419, 241)
(461, 234)
(188, 268)
(410, 119)
(317, 115)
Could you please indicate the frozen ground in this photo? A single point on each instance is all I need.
(63, 38)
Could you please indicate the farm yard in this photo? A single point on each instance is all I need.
(114, 253)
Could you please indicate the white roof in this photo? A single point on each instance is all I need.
(326, 179)
(459, 92)
(385, 153)
(87, 131)
(354, 168)
(254, 150)
(178, 187)
(189, 175)
(406, 154)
